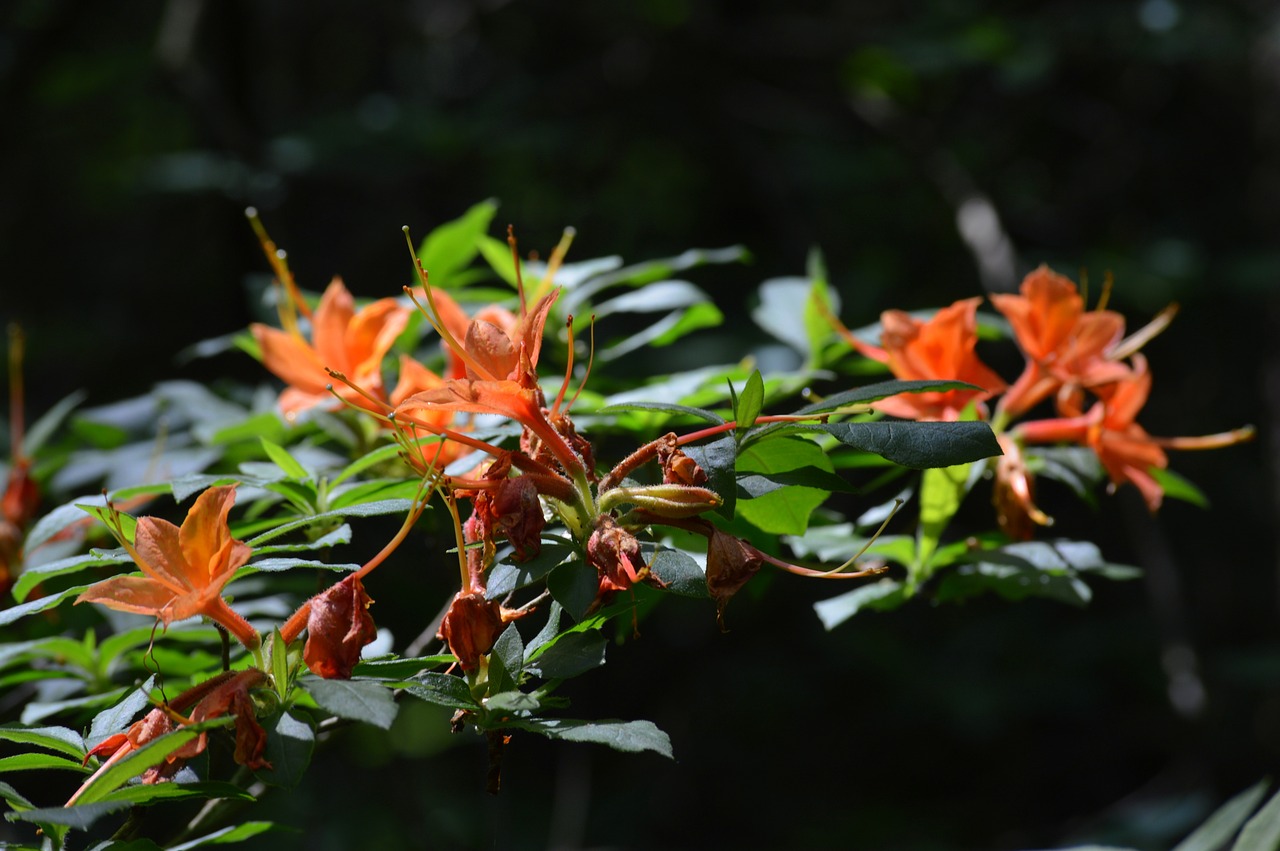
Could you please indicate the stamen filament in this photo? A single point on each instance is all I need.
(568, 367)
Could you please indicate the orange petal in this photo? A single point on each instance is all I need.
(205, 536)
(290, 359)
(138, 594)
(329, 326)
(371, 334)
(158, 544)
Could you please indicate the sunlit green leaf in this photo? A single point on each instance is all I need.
(942, 490)
(443, 690)
(1216, 830)
(882, 595)
(1262, 831)
(355, 700)
(61, 739)
(282, 459)
(448, 250)
(785, 511)
(750, 401)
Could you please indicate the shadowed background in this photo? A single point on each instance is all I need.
(932, 153)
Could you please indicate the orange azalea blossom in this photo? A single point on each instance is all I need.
(1123, 447)
(1067, 348)
(941, 348)
(343, 340)
(225, 694)
(186, 568)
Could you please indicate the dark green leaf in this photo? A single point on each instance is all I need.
(506, 577)
(679, 572)
(510, 649)
(881, 390)
(366, 509)
(152, 753)
(120, 716)
(355, 700)
(630, 736)
(443, 690)
(573, 654)
(290, 741)
(719, 459)
(574, 586)
(919, 445)
(398, 669)
(79, 817)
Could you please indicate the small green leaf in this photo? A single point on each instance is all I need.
(749, 402)
(784, 511)
(679, 572)
(505, 577)
(33, 761)
(282, 459)
(355, 700)
(78, 817)
(61, 739)
(280, 664)
(450, 248)
(397, 669)
(1178, 487)
(509, 648)
(666, 407)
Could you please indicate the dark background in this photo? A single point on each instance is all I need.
(1137, 138)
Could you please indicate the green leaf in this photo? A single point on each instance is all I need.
(1216, 830)
(366, 509)
(116, 718)
(498, 255)
(941, 491)
(279, 664)
(679, 572)
(919, 445)
(61, 739)
(785, 511)
(1262, 832)
(282, 459)
(14, 613)
(227, 835)
(78, 817)
(509, 649)
(882, 595)
(881, 390)
(750, 402)
(450, 248)
(443, 690)
(33, 761)
(290, 742)
(781, 311)
(152, 753)
(571, 655)
(506, 577)
(42, 429)
(629, 736)
(1177, 487)
(398, 669)
(139, 793)
(355, 700)
(665, 407)
(574, 586)
(719, 459)
(34, 576)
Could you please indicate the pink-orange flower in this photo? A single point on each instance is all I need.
(185, 568)
(343, 340)
(1067, 348)
(941, 348)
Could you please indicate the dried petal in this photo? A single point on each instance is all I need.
(731, 562)
(338, 626)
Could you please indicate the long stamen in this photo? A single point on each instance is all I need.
(452, 503)
(1208, 441)
(278, 259)
(897, 503)
(556, 261)
(1108, 282)
(568, 368)
(591, 359)
(338, 376)
(1135, 341)
(515, 260)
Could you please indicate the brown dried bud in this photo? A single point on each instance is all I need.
(615, 554)
(678, 468)
(338, 626)
(731, 562)
(515, 510)
(470, 627)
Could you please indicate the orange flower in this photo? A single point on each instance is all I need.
(343, 340)
(1109, 428)
(186, 568)
(495, 344)
(941, 348)
(1066, 347)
